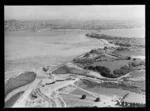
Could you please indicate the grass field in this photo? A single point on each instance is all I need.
(71, 102)
(112, 65)
(137, 73)
(111, 88)
(13, 99)
(67, 89)
(81, 92)
(21, 80)
(108, 91)
(133, 52)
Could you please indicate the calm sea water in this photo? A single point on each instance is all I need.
(27, 50)
(133, 32)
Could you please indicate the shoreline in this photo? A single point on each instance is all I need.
(26, 59)
(106, 43)
(57, 66)
(21, 71)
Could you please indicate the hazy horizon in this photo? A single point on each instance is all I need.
(86, 12)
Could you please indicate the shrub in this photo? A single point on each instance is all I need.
(100, 69)
(97, 99)
(92, 68)
(103, 70)
(105, 48)
(92, 51)
(122, 71)
(83, 97)
(127, 68)
(105, 74)
(118, 72)
(137, 63)
(128, 58)
(134, 64)
(86, 55)
(45, 69)
(134, 59)
(142, 63)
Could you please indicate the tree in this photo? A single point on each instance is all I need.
(105, 48)
(83, 97)
(128, 58)
(102, 69)
(97, 99)
(122, 71)
(45, 69)
(134, 59)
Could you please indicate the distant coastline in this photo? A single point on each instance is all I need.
(48, 25)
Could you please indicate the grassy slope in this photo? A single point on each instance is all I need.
(66, 70)
(13, 99)
(112, 65)
(22, 79)
(108, 87)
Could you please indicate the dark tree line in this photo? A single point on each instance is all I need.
(104, 71)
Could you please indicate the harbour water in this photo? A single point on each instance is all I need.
(28, 50)
(130, 32)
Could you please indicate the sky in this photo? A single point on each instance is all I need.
(78, 12)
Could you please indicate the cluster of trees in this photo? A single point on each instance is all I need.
(104, 71)
(122, 71)
(137, 63)
(95, 54)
